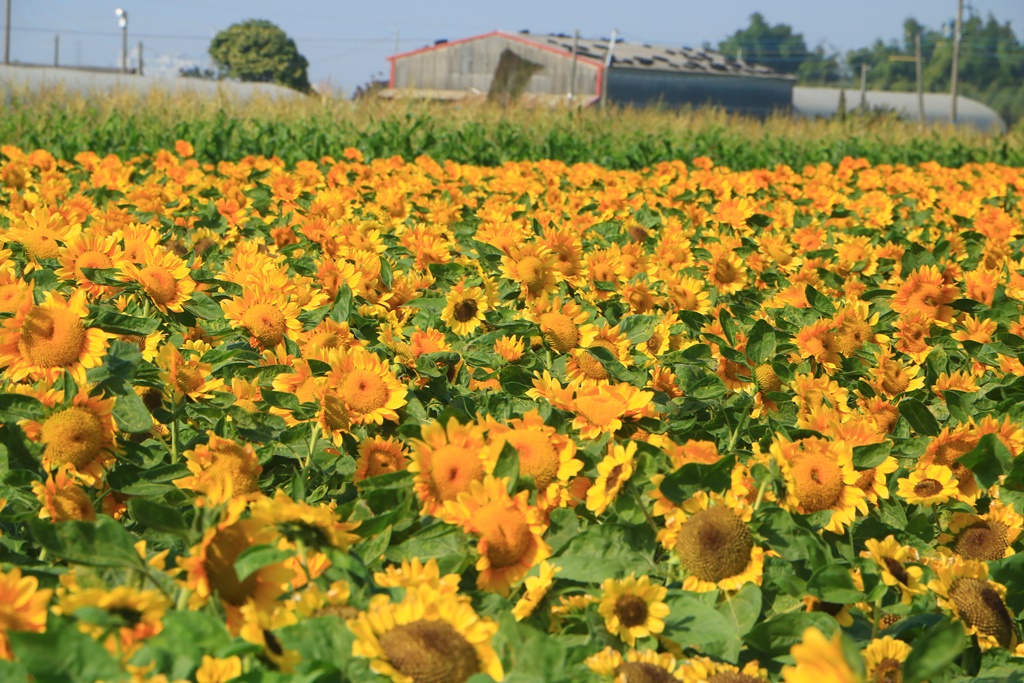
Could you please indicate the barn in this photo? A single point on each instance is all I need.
(557, 67)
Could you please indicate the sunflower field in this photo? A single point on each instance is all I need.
(428, 422)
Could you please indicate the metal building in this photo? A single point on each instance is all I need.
(825, 103)
(636, 74)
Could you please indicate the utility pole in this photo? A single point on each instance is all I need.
(920, 77)
(607, 67)
(864, 87)
(956, 59)
(56, 50)
(140, 58)
(122, 21)
(7, 32)
(572, 72)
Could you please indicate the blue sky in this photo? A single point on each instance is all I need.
(347, 42)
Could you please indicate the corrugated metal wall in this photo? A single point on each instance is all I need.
(752, 96)
(471, 64)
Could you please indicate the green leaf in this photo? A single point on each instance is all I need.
(872, 455)
(919, 417)
(63, 654)
(104, 276)
(110, 320)
(605, 551)
(988, 460)
(639, 328)
(157, 516)
(681, 484)
(131, 414)
(934, 650)
(692, 622)
(103, 543)
(832, 583)
(761, 342)
(202, 306)
(515, 380)
(15, 407)
(342, 309)
(743, 608)
(256, 558)
(775, 637)
(508, 466)
(819, 302)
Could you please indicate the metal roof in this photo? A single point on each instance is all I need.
(656, 57)
(34, 78)
(824, 102)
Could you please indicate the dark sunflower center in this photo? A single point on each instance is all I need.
(982, 541)
(979, 605)
(465, 310)
(430, 652)
(897, 569)
(714, 544)
(927, 488)
(889, 670)
(631, 610)
(643, 672)
(131, 616)
(734, 677)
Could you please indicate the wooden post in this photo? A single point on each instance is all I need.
(920, 76)
(7, 32)
(572, 72)
(56, 50)
(864, 87)
(607, 67)
(140, 58)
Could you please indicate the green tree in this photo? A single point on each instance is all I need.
(773, 46)
(258, 50)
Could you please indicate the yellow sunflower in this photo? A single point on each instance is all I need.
(13, 291)
(963, 588)
(446, 459)
(706, 669)
(987, 537)
(714, 544)
(820, 477)
(164, 277)
(187, 377)
(366, 385)
(633, 608)
(725, 270)
(536, 588)
(564, 327)
(534, 267)
(23, 607)
(428, 636)
(415, 573)
(464, 309)
(300, 520)
(884, 659)
(88, 250)
(510, 531)
(928, 485)
(601, 409)
(818, 659)
(546, 456)
(614, 470)
(222, 469)
(891, 377)
(265, 315)
(638, 666)
(378, 456)
(42, 341)
(80, 436)
(209, 567)
(137, 614)
(584, 368)
(40, 232)
(63, 499)
(892, 559)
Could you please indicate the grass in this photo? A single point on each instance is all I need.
(127, 123)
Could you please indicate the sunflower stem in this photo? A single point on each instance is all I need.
(314, 436)
(174, 437)
(875, 617)
(639, 501)
(760, 493)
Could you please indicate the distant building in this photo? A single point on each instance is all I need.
(825, 103)
(635, 74)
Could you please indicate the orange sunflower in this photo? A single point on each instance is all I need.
(40, 232)
(23, 607)
(80, 436)
(601, 409)
(446, 460)
(926, 290)
(378, 456)
(366, 386)
(63, 499)
(44, 340)
(88, 250)
(164, 277)
(820, 477)
(266, 316)
(510, 532)
(222, 469)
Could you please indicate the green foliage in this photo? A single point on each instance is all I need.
(258, 50)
